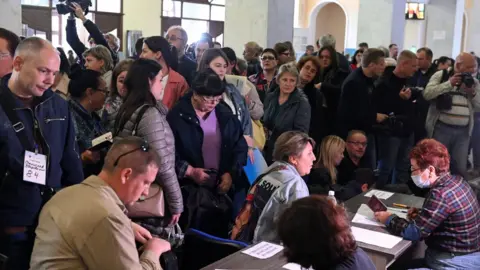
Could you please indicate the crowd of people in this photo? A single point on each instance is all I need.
(185, 120)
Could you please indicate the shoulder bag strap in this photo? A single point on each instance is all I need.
(140, 114)
(7, 101)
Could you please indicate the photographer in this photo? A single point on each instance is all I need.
(453, 99)
(113, 44)
(395, 135)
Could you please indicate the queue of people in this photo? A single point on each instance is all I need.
(180, 132)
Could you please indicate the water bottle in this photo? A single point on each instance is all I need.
(331, 197)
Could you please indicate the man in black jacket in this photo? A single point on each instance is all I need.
(356, 109)
(38, 151)
(395, 136)
(177, 36)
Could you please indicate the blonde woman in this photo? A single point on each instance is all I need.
(98, 58)
(323, 177)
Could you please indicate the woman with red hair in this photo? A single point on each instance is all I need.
(449, 220)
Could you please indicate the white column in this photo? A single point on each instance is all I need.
(458, 27)
(263, 21)
(381, 22)
(442, 17)
(11, 15)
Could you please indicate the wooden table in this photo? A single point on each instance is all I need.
(382, 257)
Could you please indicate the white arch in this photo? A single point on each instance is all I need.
(313, 20)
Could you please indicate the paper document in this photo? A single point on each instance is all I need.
(375, 238)
(263, 250)
(379, 193)
(366, 216)
(399, 212)
(294, 266)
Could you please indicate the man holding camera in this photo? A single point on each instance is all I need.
(453, 97)
(393, 97)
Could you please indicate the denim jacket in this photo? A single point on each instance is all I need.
(291, 187)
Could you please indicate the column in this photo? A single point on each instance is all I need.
(263, 21)
(444, 26)
(11, 15)
(381, 22)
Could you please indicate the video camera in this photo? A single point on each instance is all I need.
(467, 79)
(65, 8)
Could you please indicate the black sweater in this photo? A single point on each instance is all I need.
(356, 109)
(387, 100)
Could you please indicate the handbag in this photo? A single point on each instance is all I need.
(154, 204)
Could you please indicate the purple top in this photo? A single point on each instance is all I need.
(212, 141)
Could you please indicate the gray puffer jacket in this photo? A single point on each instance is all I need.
(154, 128)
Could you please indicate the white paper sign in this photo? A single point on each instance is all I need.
(263, 250)
(375, 238)
(379, 193)
(35, 168)
(439, 35)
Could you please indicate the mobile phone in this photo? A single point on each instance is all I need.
(376, 205)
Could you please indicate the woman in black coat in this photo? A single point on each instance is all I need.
(210, 152)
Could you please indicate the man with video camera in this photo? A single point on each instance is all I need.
(453, 97)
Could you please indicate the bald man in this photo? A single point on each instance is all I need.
(450, 116)
(104, 237)
(37, 147)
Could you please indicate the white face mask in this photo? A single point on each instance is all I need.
(419, 182)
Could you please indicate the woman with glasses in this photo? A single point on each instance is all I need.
(117, 93)
(284, 53)
(265, 79)
(87, 92)
(142, 107)
(285, 109)
(174, 85)
(330, 82)
(216, 60)
(211, 150)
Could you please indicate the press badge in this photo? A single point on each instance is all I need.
(35, 168)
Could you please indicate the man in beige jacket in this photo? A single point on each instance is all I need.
(85, 226)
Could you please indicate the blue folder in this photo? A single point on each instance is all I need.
(257, 168)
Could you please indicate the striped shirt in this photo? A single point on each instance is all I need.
(449, 219)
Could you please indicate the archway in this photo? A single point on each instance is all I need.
(329, 17)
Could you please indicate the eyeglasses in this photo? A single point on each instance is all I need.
(211, 99)
(414, 170)
(104, 91)
(173, 38)
(144, 147)
(363, 144)
(265, 58)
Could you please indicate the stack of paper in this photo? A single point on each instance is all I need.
(375, 238)
(379, 193)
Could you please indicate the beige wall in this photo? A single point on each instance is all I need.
(331, 20)
(144, 15)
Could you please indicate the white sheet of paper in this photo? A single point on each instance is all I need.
(379, 193)
(399, 212)
(294, 266)
(365, 215)
(35, 168)
(375, 238)
(263, 250)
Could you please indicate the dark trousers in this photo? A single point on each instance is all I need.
(393, 157)
(18, 250)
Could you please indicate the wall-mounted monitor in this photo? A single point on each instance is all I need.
(415, 11)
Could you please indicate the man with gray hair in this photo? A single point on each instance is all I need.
(177, 36)
(37, 145)
(328, 40)
(456, 97)
(79, 233)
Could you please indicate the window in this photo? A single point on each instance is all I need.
(113, 6)
(41, 3)
(196, 16)
(196, 11)
(172, 8)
